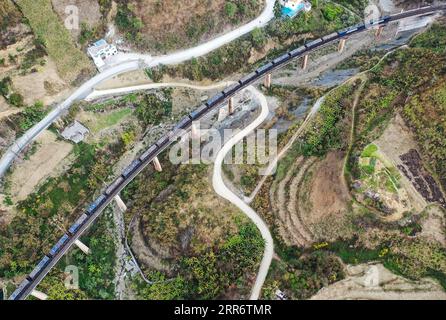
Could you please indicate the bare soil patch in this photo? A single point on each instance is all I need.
(396, 140)
(374, 282)
(328, 195)
(89, 13)
(44, 85)
(433, 226)
(43, 163)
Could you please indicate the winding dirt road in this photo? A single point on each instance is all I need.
(222, 190)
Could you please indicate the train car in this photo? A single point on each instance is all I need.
(54, 250)
(113, 186)
(376, 22)
(351, 30)
(281, 59)
(92, 208)
(215, 100)
(247, 79)
(162, 141)
(128, 171)
(76, 225)
(264, 68)
(184, 123)
(42, 264)
(179, 127)
(343, 32)
(196, 114)
(231, 89)
(148, 153)
(360, 27)
(23, 285)
(313, 44)
(298, 51)
(330, 37)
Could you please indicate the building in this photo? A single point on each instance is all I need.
(290, 8)
(75, 132)
(100, 51)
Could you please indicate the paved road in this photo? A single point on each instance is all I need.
(125, 63)
(79, 94)
(202, 49)
(222, 190)
(124, 90)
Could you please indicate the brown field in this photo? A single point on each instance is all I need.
(89, 13)
(170, 24)
(70, 61)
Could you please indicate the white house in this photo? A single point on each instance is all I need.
(100, 51)
(290, 8)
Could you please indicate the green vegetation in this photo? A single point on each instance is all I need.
(410, 82)
(9, 18)
(54, 286)
(211, 246)
(413, 258)
(232, 58)
(56, 204)
(162, 289)
(332, 11)
(89, 34)
(302, 276)
(127, 22)
(230, 9)
(34, 56)
(96, 270)
(434, 40)
(151, 110)
(327, 128)
(208, 275)
(369, 151)
(140, 21)
(32, 115)
(110, 119)
(13, 98)
(70, 61)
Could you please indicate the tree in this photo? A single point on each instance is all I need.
(230, 9)
(258, 37)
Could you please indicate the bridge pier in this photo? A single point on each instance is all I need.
(120, 203)
(267, 82)
(231, 105)
(341, 45)
(82, 246)
(39, 295)
(157, 164)
(379, 32)
(305, 62)
(195, 131)
(221, 114)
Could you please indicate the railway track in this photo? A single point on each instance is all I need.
(129, 173)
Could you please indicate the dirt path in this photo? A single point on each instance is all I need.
(221, 189)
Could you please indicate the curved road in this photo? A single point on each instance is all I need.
(202, 49)
(222, 190)
(126, 63)
(124, 90)
(218, 183)
(26, 287)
